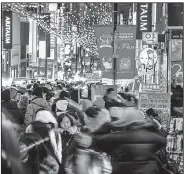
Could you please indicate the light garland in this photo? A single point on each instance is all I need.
(91, 14)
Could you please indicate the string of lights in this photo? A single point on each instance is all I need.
(85, 18)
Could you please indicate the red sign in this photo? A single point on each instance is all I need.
(104, 35)
(125, 43)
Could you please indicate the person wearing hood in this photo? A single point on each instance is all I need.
(37, 102)
(131, 141)
(10, 108)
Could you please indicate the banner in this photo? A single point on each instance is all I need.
(7, 29)
(144, 18)
(104, 36)
(125, 47)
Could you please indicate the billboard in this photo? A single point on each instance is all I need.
(125, 47)
(144, 18)
(7, 29)
(104, 36)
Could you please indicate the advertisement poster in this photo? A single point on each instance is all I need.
(98, 91)
(158, 101)
(154, 100)
(144, 18)
(104, 37)
(125, 46)
(7, 29)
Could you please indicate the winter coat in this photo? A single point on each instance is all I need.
(68, 147)
(35, 104)
(40, 159)
(131, 149)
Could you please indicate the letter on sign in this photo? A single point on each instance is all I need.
(150, 38)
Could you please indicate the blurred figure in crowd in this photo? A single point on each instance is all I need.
(132, 144)
(10, 108)
(23, 104)
(37, 102)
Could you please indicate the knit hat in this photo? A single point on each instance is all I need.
(5, 95)
(23, 103)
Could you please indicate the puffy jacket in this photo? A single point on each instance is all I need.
(131, 149)
(35, 104)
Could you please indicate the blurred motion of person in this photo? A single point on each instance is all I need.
(10, 154)
(131, 141)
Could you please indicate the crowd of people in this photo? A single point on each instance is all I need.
(45, 130)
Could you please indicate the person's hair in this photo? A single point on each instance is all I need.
(61, 117)
(38, 91)
(151, 112)
(92, 111)
(63, 94)
(35, 85)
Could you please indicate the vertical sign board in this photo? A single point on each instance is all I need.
(7, 29)
(104, 35)
(125, 44)
(158, 101)
(144, 18)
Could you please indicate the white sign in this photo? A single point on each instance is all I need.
(150, 38)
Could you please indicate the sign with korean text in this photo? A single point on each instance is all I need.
(125, 43)
(144, 18)
(150, 38)
(104, 37)
(98, 91)
(154, 100)
(7, 29)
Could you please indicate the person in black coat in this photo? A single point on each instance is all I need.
(10, 108)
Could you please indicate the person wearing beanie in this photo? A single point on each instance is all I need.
(37, 102)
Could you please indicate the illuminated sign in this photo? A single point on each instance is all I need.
(144, 18)
(7, 29)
